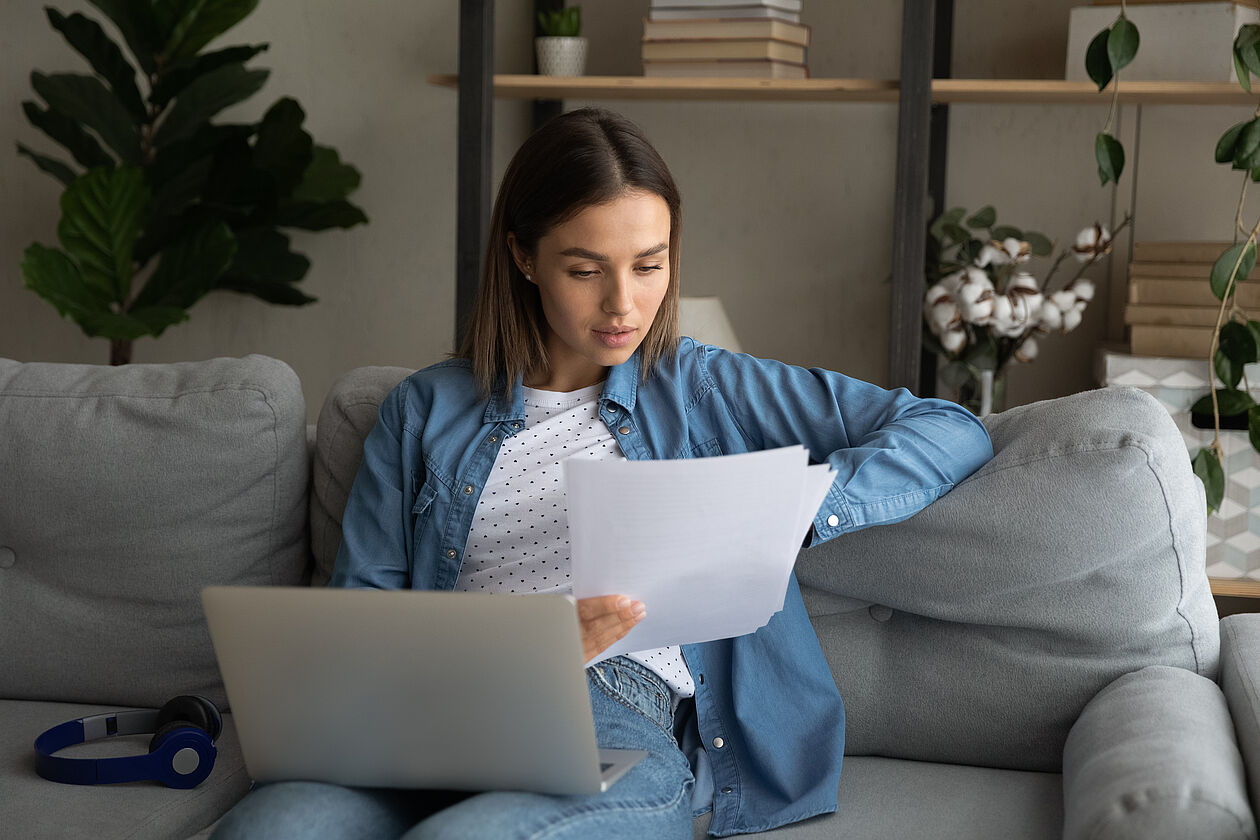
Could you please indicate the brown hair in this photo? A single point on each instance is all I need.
(577, 160)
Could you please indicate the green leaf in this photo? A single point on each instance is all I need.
(327, 178)
(263, 255)
(1004, 232)
(957, 233)
(1122, 44)
(1247, 145)
(1209, 471)
(1097, 64)
(1242, 255)
(129, 326)
(1229, 373)
(170, 162)
(87, 37)
(312, 215)
(200, 23)
(1247, 54)
(954, 374)
(1226, 146)
(207, 96)
(138, 24)
(182, 73)
(87, 100)
(270, 291)
(1253, 427)
(983, 218)
(1110, 156)
(101, 216)
(85, 148)
(53, 276)
(1230, 400)
(1254, 326)
(58, 169)
(950, 217)
(1041, 245)
(283, 149)
(189, 268)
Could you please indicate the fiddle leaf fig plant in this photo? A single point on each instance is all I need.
(162, 205)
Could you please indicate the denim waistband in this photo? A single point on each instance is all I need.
(636, 685)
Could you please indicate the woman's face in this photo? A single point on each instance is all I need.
(602, 276)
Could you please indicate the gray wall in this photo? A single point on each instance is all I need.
(787, 205)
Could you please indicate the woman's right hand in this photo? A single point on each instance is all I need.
(606, 619)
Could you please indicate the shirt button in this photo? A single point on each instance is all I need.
(494, 438)
(833, 520)
(624, 430)
(516, 425)
(450, 552)
(726, 790)
(718, 743)
(468, 489)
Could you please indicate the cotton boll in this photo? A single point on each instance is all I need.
(951, 282)
(1065, 299)
(934, 294)
(975, 303)
(1050, 316)
(1027, 351)
(977, 277)
(992, 254)
(1092, 242)
(1084, 289)
(1022, 281)
(943, 314)
(1016, 251)
(954, 340)
(1072, 319)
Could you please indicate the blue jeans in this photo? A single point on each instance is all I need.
(632, 710)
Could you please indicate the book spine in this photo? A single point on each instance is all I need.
(1171, 342)
(1190, 270)
(1175, 316)
(1180, 291)
(1179, 252)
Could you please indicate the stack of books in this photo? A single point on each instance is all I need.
(1172, 311)
(762, 39)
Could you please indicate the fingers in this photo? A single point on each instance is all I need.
(606, 619)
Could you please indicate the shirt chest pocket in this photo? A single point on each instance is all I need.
(422, 510)
(708, 449)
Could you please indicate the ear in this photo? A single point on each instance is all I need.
(522, 259)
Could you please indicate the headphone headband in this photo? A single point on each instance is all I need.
(181, 756)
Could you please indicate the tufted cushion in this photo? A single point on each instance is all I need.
(976, 631)
(124, 491)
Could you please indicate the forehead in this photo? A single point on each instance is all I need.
(633, 217)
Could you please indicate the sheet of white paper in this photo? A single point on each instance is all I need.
(706, 544)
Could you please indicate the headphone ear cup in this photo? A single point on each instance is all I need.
(191, 709)
(167, 728)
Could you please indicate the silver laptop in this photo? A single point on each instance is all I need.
(438, 690)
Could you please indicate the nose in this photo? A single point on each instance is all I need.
(618, 297)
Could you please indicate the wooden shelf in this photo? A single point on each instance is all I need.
(1238, 587)
(993, 91)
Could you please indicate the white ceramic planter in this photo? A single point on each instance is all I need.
(561, 56)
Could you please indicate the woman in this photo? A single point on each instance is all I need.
(573, 349)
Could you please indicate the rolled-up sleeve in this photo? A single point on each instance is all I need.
(893, 453)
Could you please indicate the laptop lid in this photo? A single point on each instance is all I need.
(400, 688)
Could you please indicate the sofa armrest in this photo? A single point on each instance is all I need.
(1153, 755)
(1240, 680)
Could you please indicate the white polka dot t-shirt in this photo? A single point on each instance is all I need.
(519, 540)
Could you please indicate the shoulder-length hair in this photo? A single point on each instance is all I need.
(577, 160)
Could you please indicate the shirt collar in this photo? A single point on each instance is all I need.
(621, 387)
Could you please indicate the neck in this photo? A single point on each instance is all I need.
(564, 382)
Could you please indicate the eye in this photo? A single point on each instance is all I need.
(648, 269)
(583, 274)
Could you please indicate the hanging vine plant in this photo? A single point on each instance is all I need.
(162, 205)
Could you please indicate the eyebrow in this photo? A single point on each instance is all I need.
(592, 255)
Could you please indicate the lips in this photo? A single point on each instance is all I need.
(614, 336)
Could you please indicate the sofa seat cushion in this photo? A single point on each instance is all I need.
(34, 808)
(885, 798)
(123, 492)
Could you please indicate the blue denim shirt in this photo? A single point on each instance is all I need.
(769, 695)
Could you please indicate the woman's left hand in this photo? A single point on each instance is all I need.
(606, 619)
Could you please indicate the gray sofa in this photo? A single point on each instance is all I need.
(1037, 655)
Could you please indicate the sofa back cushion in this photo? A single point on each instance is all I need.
(976, 631)
(123, 492)
(348, 414)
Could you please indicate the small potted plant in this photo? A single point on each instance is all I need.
(561, 52)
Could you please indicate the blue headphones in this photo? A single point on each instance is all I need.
(181, 753)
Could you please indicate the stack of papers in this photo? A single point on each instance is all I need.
(707, 544)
